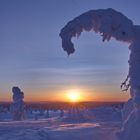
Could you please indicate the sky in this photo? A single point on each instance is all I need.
(31, 56)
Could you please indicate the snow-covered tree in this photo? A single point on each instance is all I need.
(47, 114)
(36, 114)
(61, 113)
(18, 106)
(110, 23)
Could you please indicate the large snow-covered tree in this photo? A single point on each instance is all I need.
(110, 23)
(17, 106)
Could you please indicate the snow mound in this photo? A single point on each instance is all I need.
(28, 134)
(107, 113)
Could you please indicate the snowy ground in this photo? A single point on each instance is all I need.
(102, 126)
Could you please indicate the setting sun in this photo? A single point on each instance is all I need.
(74, 96)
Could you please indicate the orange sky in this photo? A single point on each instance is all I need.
(63, 95)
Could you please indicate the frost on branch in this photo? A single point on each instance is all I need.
(17, 107)
(125, 85)
(110, 23)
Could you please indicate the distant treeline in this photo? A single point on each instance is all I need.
(63, 105)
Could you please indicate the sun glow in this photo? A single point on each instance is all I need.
(74, 96)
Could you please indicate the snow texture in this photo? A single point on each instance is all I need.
(56, 128)
(17, 107)
(111, 23)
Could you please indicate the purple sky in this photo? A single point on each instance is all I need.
(31, 56)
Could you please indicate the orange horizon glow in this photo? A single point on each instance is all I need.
(73, 95)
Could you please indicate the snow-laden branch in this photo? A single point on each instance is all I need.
(108, 22)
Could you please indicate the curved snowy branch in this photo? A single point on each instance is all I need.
(108, 22)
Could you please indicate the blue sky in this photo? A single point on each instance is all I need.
(31, 56)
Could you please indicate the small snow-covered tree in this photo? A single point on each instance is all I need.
(17, 106)
(61, 112)
(47, 114)
(110, 23)
(36, 114)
